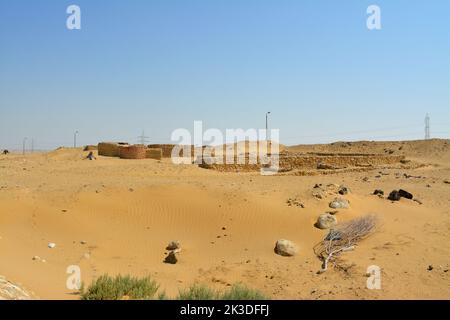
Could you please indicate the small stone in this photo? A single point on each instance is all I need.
(326, 221)
(394, 196)
(36, 258)
(430, 267)
(285, 248)
(83, 242)
(323, 166)
(171, 258)
(51, 245)
(339, 203)
(173, 245)
(405, 194)
(378, 192)
(343, 190)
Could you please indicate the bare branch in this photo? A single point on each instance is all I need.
(344, 238)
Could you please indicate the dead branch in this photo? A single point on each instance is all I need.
(344, 238)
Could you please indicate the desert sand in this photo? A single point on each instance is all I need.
(116, 216)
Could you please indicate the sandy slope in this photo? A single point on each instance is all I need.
(128, 210)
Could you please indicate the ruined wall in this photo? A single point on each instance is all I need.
(132, 152)
(309, 162)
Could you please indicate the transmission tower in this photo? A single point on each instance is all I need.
(427, 127)
(143, 139)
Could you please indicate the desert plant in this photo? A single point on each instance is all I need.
(197, 292)
(241, 292)
(236, 292)
(120, 287)
(344, 238)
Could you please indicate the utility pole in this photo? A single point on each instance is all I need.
(75, 139)
(143, 139)
(23, 145)
(427, 127)
(267, 125)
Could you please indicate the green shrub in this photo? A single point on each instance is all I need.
(127, 287)
(236, 292)
(197, 292)
(120, 287)
(241, 292)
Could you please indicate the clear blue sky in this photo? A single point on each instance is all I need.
(158, 65)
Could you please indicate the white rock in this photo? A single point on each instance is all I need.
(51, 245)
(326, 221)
(285, 248)
(339, 203)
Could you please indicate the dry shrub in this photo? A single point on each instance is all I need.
(344, 238)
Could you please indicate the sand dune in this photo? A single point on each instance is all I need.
(116, 216)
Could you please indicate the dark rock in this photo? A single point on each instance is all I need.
(378, 192)
(405, 194)
(171, 258)
(343, 190)
(173, 245)
(394, 196)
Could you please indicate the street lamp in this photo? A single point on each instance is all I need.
(75, 139)
(267, 125)
(23, 145)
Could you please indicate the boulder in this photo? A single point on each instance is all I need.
(396, 195)
(326, 221)
(13, 291)
(285, 248)
(339, 203)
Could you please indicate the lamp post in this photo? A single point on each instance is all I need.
(23, 145)
(75, 139)
(267, 125)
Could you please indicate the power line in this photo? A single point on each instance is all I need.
(329, 135)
